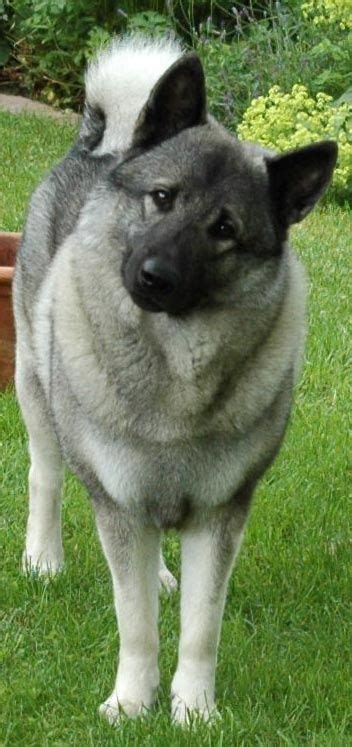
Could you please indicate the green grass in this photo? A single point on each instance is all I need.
(30, 145)
(284, 674)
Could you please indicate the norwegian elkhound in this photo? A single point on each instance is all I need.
(160, 325)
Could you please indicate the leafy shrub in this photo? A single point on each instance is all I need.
(289, 120)
(333, 52)
(245, 66)
(229, 80)
(5, 48)
(278, 49)
(334, 61)
(245, 48)
(329, 12)
(149, 22)
(54, 40)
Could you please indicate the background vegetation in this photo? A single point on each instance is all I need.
(246, 47)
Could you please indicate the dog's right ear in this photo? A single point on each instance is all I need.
(299, 178)
(177, 101)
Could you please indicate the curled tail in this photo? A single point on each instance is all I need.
(118, 84)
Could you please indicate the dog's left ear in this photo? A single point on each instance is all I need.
(177, 101)
(298, 179)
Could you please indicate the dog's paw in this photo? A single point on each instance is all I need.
(192, 698)
(43, 564)
(167, 581)
(184, 714)
(113, 709)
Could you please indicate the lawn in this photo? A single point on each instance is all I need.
(284, 672)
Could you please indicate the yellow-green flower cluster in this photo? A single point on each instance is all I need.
(329, 12)
(283, 121)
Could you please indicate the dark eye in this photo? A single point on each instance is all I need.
(223, 230)
(163, 199)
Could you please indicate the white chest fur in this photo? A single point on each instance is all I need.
(161, 412)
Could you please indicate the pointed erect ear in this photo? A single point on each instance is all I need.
(176, 102)
(299, 178)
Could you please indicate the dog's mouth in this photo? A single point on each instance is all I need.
(146, 303)
(171, 306)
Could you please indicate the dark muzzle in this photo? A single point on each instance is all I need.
(157, 279)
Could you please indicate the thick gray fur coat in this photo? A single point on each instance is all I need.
(160, 326)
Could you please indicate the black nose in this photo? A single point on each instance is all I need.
(156, 276)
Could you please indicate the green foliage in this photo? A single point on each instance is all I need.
(53, 42)
(5, 51)
(289, 120)
(334, 60)
(149, 22)
(229, 79)
(329, 12)
(5, 47)
(246, 48)
(280, 50)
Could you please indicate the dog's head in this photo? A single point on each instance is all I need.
(209, 215)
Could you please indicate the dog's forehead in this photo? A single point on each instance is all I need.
(205, 162)
(202, 158)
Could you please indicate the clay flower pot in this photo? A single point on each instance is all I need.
(8, 247)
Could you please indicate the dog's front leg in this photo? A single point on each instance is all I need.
(208, 554)
(132, 551)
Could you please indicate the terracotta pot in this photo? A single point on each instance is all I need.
(8, 246)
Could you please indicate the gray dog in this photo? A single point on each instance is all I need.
(160, 326)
